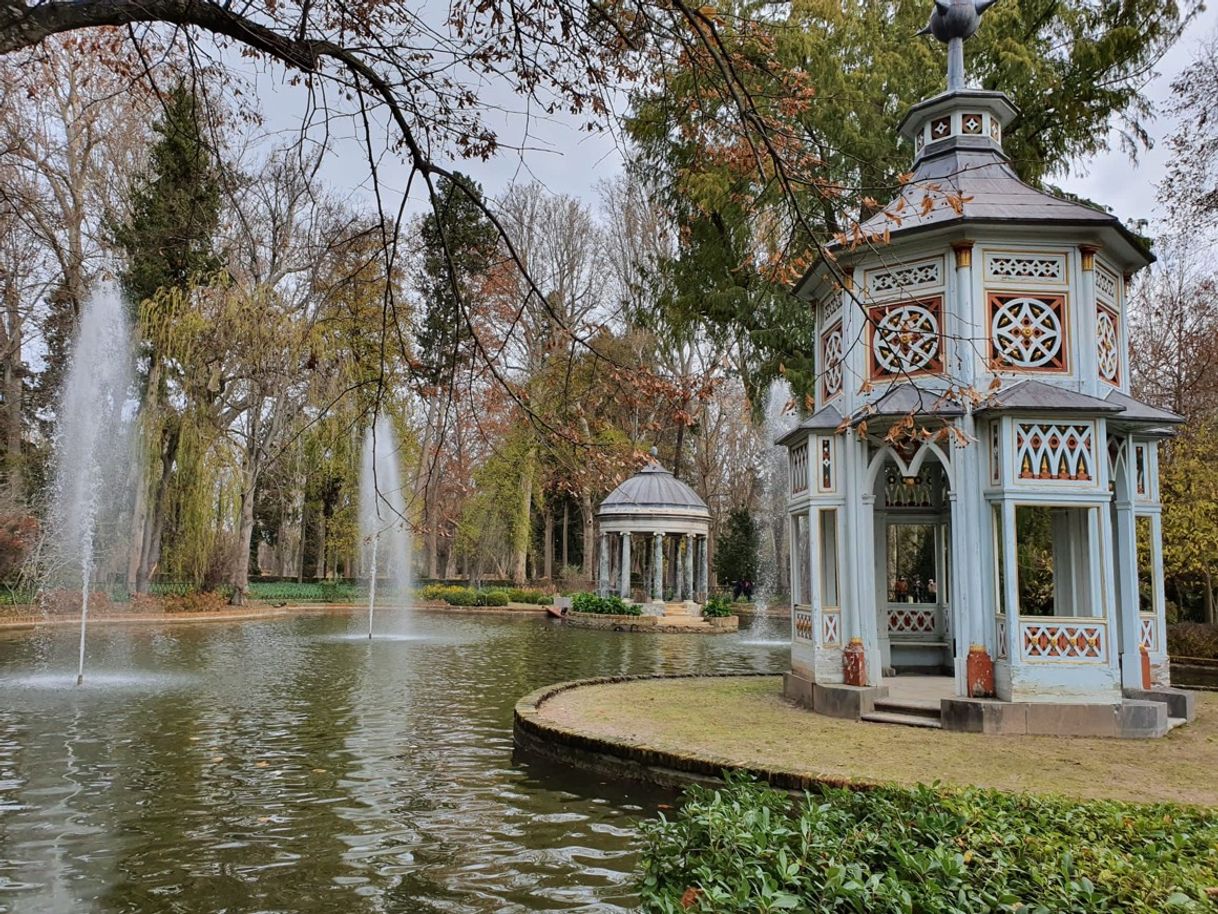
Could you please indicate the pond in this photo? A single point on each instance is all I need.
(291, 766)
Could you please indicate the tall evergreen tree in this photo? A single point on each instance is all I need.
(175, 205)
(459, 246)
(737, 549)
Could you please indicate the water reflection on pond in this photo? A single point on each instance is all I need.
(280, 766)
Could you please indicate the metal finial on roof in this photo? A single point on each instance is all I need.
(952, 22)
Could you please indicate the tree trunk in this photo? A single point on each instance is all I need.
(321, 544)
(548, 549)
(13, 394)
(1209, 599)
(245, 534)
(589, 539)
(450, 559)
(154, 522)
(433, 551)
(566, 533)
(524, 524)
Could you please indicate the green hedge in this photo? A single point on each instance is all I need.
(749, 848)
(603, 606)
(718, 606)
(456, 595)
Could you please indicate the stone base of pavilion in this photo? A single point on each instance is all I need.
(930, 701)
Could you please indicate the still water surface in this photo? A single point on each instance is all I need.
(292, 766)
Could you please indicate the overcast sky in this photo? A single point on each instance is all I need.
(567, 160)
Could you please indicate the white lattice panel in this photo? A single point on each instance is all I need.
(831, 361)
(1055, 452)
(1108, 345)
(1147, 632)
(1063, 641)
(799, 468)
(831, 627)
(1025, 268)
(915, 276)
(1002, 637)
(911, 621)
(803, 625)
(1106, 285)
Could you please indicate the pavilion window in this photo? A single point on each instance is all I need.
(1146, 564)
(803, 560)
(911, 563)
(1053, 555)
(1000, 578)
(828, 559)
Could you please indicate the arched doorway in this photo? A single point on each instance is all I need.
(913, 568)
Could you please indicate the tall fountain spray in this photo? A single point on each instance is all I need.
(384, 530)
(92, 445)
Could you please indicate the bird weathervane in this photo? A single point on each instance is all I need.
(952, 22)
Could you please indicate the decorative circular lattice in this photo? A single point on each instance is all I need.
(1107, 347)
(1027, 332)
(906, 339)
(833, 362)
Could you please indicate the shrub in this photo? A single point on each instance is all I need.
(491, 598)
(1192, 639)
(747, 847)
(603, 606)
(532, 597)
(718, 606)
(199, 601)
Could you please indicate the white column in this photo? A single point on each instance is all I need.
(689, 567)
(1088, 361)
(624, 588)
(603, 583)
(657, 567)
(1125, 561)
(705, 566)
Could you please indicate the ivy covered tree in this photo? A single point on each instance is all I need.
(736, 549)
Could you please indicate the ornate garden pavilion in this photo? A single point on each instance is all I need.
(976, 493)
(673, 524)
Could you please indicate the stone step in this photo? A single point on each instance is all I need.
(912, 707)
(907, 720)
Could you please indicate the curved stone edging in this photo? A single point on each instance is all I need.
(635, 762)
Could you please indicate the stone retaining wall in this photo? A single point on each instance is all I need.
(665, 624)
(623, 760)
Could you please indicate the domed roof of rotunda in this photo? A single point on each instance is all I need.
(654, 490)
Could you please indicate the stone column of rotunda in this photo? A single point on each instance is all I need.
(657, 567)
(624, 574)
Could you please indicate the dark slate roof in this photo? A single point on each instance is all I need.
(1136, 411)
(653, 488)
(1038, 396)
(904, 399)
(989, 191)
(827, 418)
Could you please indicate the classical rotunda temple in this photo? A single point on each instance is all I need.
(975, 497)
(670, 525)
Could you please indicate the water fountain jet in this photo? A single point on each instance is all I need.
(92, 447)
(382, 515)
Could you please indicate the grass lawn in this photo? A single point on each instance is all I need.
(746, 722)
